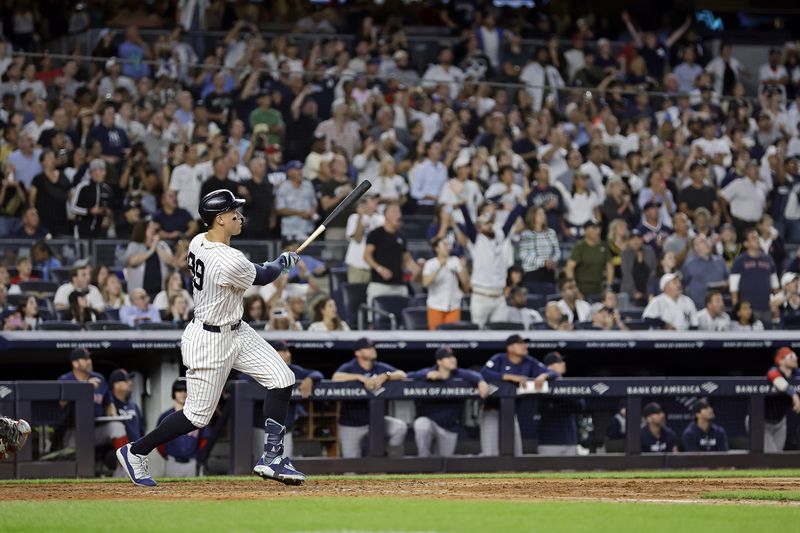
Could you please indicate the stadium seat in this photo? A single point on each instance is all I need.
(60, 275)
(415, 318)
(258, 324)
(418, 300)
(540, 287)
(48, 287)
(535, 301)
(338, 277)
(455, 326)
(552, 297)
(583, 325)
(504, 326)
(59, 325)
(112, 314)
(353, 296)
(637, 325)
(107, 325)
(594, 298)
(157, 326)
(387, 310)
(13, 300)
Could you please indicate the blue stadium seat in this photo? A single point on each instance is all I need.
(456, 326)
(48, 287)
(415, 318)
(157, 326)
(112, 314)
(353, 296)
(107, 325)
(540, 287)
(505, 326)
(418, 300)
(388, 310)
(59, 325)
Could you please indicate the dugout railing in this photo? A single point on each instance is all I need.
(49, 406)
(743, 414)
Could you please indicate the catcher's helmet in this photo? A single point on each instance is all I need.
(216, 202)
(178, 385)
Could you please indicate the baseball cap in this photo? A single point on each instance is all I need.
(179, 385)
(294, 164)
(666, 278)
(552, 358)
(651, 203)
(697, 164)
(280, 345)
(700, 404)
(119, 374)
(590, 224)
(787, 278)
(362, 343)
(781, 353)
(97, 163)
(79, 353)
(444, 351)
(651, 408)
(515, 339)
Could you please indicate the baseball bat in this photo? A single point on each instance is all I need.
(354, 195)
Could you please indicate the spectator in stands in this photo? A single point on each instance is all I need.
(657, 437)
(29, 313)
(558, 425)
(698, 194)
(638, 265)
(387, 256)
(326, 317)
(657, 193)
(519, 312)
(140, 310)
(679, 242)
(728, 247)
(178, 312)
(255, 309)
(671, 309)
(113, 295)
(118, 402)
(340, 131)
(554, 318)
(389, 186)
(487, 245)
(785, 304)
(582, 205)
(744, 319)
(173, 285)
(571, 305)
(703, 435)
(428, 179)
(781, 375)
(181, 454)
(654, 233)
(80, 276)
(751, 275)
(79, 311)
(91, 202)
(538, 250)
(608, 319)
(713, 316)
(12, 320)
(43, 259)
(219, 178)
(359, 224)
(30, 228)
(590, 262)
(439, 420)
(49, 194)
(174, 222)
(24, 270)
(703, 271)
(617, 241)
(25, 162)
(444, 276)
(113, 140)
(770, 241)
(515, 366)
(296, 203)
(282, 319)
(147, 259)
(187, 180)
(12, 200)
(745, 199)
(354, 416)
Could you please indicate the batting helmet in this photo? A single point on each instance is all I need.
(216, 202)
(178, 385)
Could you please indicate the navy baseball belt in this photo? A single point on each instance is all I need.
(217, 329)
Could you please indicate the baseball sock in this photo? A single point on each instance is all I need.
(276, 406)
(172, 427)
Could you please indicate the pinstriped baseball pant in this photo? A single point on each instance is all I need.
(209, 358)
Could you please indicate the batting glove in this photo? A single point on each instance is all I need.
(289, 260)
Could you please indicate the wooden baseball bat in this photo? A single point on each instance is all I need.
(354, 195)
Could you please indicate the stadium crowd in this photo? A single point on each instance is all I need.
(568, 186)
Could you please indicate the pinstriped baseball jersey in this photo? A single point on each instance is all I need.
(220, 275)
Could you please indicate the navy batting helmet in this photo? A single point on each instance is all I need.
(178, 385)
(214, 203)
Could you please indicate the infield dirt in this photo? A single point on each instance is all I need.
(520, 489)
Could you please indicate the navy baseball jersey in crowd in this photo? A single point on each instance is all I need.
(446, 413)
(558, 421)
(667, 442)
(185, 447)
(133, 427)
(99, 392)
(754, 284)
(300, 374)
(356, 414)
(696, 440)
(776, 407)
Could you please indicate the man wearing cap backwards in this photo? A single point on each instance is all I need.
(354, 416)
(515, 366)
(783, 375)
(91, 202)
(439, 419)
(558, 423)
(671, 309)
(181, 453)
(657, 437)
(305, 380)
(703, 435)
(753, 274)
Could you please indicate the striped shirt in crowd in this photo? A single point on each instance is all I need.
(535, 247)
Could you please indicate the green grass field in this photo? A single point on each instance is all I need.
(410, 514)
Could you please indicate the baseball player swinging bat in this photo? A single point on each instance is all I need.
(354, 195)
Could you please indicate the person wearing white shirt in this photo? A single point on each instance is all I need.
(359, 224)
(40, 122)
(597, 171)
(517, 312)
(80, 276)
(187, 180)
(444, 73)
(572, 307)
(429, 178)
(462, 190)
(505, 191)
(443, 276)
(726, 70)
(745, 198)
(540, 77)
(389, 186)
(581, 204)
(713, 316)
(672, 307)
(773, 74)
